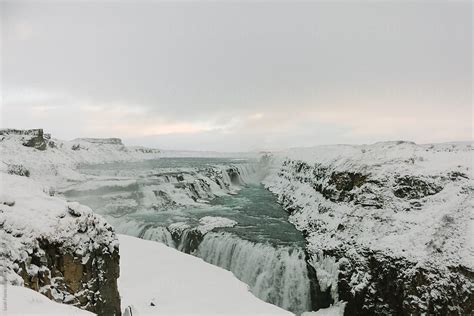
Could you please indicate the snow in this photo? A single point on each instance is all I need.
(334, 310)
(181, 284)
(24, 301)
(57, 162)
(209, 223)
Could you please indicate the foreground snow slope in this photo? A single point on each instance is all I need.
(389, 225)
(180, 284)
(23, 301)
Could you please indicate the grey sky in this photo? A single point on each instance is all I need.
(239, 75)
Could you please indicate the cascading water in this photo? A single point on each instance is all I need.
(145, 231)
(275, 275)
(263, 249)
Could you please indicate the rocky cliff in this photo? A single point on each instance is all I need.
(388, 226)
(62, 250)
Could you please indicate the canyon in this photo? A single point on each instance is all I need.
(370, 229)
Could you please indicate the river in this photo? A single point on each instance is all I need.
(166, 200)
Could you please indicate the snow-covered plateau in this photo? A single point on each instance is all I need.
(382, 229)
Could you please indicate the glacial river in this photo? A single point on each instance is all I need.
(144, 199)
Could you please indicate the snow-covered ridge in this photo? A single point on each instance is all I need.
(102, 141)
(54, 160)
(394, 218)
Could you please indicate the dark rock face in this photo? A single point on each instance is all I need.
(18, 170)
(408, 187)
(234, 176)
(89, 282)
(188, 240)
(36, 141)
(76, 147)
(319, 299)
(400, 287)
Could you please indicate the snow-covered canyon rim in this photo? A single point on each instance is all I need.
(387, 226)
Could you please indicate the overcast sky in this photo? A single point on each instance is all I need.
(235, 76)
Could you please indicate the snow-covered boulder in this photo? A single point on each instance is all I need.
(60, 249)
(389, 226)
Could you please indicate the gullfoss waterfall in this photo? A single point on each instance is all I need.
(215, 209)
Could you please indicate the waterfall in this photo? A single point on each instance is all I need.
(247, 173)
(160, 234)
(190, 240)
(144, 231)
(275, 275)
(327, 271)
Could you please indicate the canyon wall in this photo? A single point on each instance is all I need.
(388, 226)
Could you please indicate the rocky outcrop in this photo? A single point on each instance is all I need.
(89, 281)
(392, 218)
(18, 170)
(62, 250)
(31, 137)
(107, 141)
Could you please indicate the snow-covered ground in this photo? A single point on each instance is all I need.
(24, 301)
(57, 162)
(181, 284)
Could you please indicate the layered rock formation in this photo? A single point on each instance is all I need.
(62, 250)
(389, 226)
(30, 138)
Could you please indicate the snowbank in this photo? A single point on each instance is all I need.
(181, 284)
(209, 223)
(24, 301)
